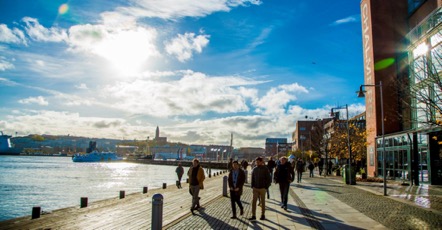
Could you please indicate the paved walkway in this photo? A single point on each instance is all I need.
(322, 203)
(316, 203)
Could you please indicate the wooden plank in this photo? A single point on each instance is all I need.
(132, 212)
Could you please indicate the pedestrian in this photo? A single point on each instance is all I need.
(260, 183)
(311, 166)
(229, 165)
(271, 164)
(236, 181)
(244, 164)
(284, 175)
(299, 169)
(196, 178)
(321, 166)
(179, 172)
(329, 167)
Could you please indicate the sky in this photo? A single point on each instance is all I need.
(199, 70)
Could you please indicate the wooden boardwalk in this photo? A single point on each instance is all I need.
(132, 212)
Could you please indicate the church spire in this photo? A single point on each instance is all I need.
(157, 133)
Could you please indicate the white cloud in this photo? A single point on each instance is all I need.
(11, 36)
(34, 100)
(188, 93)
(81, 86)
(183, 46)
(277, 98)
(40, 33)
(5, 65)
(174, 9)
(354, 18)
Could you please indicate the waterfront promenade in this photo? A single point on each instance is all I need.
(316, 203)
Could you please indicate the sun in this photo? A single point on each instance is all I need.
(127, 50)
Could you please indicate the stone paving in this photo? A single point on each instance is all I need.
(325, 203)
(392, 213)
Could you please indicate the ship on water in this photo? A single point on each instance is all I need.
(93, 155)
(6, 147)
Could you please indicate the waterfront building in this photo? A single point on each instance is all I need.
(274, 146)
(402, 42)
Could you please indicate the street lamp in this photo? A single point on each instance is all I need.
(348, 141)
(361, 93)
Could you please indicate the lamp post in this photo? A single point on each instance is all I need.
(348, 141)
(361, 93)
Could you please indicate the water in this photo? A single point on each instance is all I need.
(57, 182)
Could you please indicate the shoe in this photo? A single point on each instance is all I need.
(262, 217)
(282, 206)
(191, 210)
(252, 218)
(233, 217)
(241, 212)
(197, 207)
(285, 208)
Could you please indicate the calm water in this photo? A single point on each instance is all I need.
(56, 182)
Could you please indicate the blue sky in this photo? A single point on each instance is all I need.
(199, 70)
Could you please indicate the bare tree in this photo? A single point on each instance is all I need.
(421, 88)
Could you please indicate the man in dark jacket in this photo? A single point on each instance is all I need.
(260, 183)
(284, 175)
(236, 182)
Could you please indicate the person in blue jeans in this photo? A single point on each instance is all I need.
(284, 175)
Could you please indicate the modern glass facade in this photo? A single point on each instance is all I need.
(399, 150)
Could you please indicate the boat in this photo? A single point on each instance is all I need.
(96, 156)
(6, 146)
(93, 155)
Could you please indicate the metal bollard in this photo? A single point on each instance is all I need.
(164, 185)
(36, 212)
(83, 202)
(145, 189)
(210, 172)
(122, 194)
(157, 212)
(225, 186)
(246, 173)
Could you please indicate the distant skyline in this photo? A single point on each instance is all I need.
(200, 70)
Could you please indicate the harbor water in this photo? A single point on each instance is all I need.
(57, 182)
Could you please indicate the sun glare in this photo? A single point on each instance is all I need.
(420, 50)
(63, 9)
(127, 51)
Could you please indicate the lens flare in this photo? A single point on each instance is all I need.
(385, 63)
(63, 9)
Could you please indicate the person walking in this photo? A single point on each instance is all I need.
(196, 178)
(236, 181)
(311, 166)
(284, 175)
(329, 167)
(179, 172)
(229, 165)
(299, 169)
(260, 183)
(321, 166)
(271, 164)
(244, 164)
